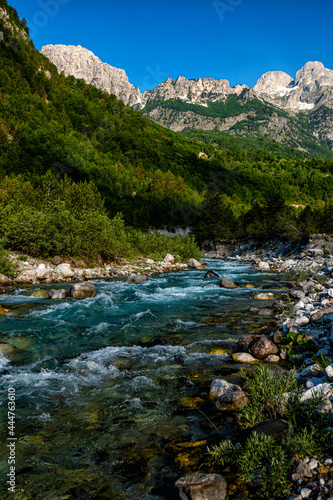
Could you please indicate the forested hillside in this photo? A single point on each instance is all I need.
(56, 129)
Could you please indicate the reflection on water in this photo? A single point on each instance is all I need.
(112, 391)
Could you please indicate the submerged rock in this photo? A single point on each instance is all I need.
(227, 283)
(6, 349)
(243, 357)
(200, 486)
(40, 294)
(82, 290)
(211, 274)
(134, 279)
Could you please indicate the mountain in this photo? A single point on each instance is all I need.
(294, 112)
(82, 63)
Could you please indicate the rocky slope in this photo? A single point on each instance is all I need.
(296, 112)
(82, 63)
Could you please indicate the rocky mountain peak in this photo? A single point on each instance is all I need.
(82, 63)
(273, 81)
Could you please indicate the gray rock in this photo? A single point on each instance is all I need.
(297, 294)
(194, 264)
(211, 274)
(64, 271)
(82, 290)
(134, 279)
(318, 316)
(3, 290)
(199, 486)
(261, 347)
(57, 293)
(169, 258)
(229, 396)
(265, 312)
(225, 283)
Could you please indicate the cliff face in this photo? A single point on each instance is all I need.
(82, 63)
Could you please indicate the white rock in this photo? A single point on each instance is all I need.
(263, 266)
(41, 266)
(64, 271)
(219, 387)
(244, 357)
(168, 258)
(320, 390)
(313, 464)
(330, 292)
(150, 261)
(329, 371)
(272, 358)
(303, 320)
(43, 273)
(305, 492)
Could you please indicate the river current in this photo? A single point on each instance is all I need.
(112, 392)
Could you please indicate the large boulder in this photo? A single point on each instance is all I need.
(169, 258)
(211, 274)
(64, 271)
(194, 264)
(135, 278)
(224, 283)
(261, 347)
(82, 290)
(229, 396)
(200, 486)
(4, 280)
(57, 294)
(43, 273)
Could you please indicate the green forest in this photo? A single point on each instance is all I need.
(83, 174)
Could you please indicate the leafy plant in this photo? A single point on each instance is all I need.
(6, 264)
(296, 343)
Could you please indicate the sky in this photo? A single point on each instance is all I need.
(237, 40)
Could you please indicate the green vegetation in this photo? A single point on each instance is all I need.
(265, 458)
(6, 264)
(69, 219)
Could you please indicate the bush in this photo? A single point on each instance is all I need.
(6, 264)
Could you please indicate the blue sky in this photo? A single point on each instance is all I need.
(238, 40)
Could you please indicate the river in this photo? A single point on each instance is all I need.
(112, 392)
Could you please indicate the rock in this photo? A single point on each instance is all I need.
(243, 357)
(43, 273)
(150, 262)
(3, 290)
(57, 260)
(82, 63)
(263, 266)
(194, 264)
(244, 342)
(224, 283)
(229, 396)
(263, 296)
(272, 359)
(40, 294)
(64, 271)
(329, 371)
(167, 267)
(211, 274)
(261, 347)
(297, 294)
(169, 258)
(300, 470)
(57, 293)
(277, 428)
(302, 320)
(324, 389)
(134, 279)
(265, 312)
(315, 252)
(318, 316)
(4, 280)
(305, 492)
(200, 486)
(6, 349)
(3, 310)
(82, 290)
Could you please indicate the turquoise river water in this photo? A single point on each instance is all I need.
(111, 393)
